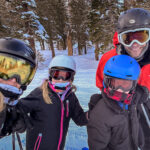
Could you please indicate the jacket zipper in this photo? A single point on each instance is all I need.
(61, 125)
(130, 131)
(67, 108)
(38, 141)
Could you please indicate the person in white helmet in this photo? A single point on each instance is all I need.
(52, 105)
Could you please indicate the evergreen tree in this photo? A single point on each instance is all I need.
(60, 18)
(79, 11)
(21, 20)
(102, 23)
(46, 12)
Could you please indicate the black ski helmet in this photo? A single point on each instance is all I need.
(133, 18)
(20, 49)
(17, 48)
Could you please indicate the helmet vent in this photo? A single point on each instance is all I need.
(108, 71)
(129, 75)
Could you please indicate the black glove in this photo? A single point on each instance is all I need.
(2, 117)
(19, 126)
(14, 121)
(10, 118)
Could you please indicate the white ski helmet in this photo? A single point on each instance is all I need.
(63, 61)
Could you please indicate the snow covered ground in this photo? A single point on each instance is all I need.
(85, 82)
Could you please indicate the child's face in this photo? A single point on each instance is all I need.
(60, 79)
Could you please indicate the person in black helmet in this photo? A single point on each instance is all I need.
(17, 69)
(132, 38)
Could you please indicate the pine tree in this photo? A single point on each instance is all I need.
(61, 20)
(102, 23)
(21, 20)
(79, 11)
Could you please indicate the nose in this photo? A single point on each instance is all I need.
(60, 79)
(135, 44)
(13, 82)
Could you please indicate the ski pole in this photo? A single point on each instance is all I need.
(13, 141)
(19, 141)
(146, 116)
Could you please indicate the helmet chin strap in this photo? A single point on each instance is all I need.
(10, 91)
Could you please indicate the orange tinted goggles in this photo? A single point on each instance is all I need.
(140, 36)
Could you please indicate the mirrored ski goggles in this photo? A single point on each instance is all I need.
(140, 36)
(58, 74)
(115, 83)
(14, 67)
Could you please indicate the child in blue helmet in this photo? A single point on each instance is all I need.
(113, 122)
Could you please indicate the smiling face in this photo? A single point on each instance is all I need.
(135, 50)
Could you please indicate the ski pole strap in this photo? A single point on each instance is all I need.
(146, 116)
(13, 141)
(19, 141)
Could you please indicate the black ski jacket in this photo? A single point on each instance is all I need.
(2, 117)
(50, 121)
(112, 128)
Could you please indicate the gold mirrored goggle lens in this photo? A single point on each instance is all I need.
(12, 67)
(141, 36)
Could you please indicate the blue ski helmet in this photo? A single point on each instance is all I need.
(122, 67)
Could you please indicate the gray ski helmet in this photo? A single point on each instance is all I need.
(133, 19)
(63, 61)
(17, 48)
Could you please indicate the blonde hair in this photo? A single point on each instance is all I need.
(45, 91)
(2, 104)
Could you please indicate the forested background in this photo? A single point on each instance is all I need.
(64, 23)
